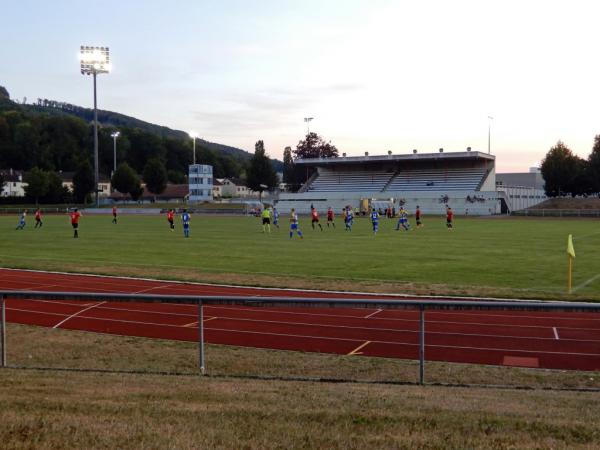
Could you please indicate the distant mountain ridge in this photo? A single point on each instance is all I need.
(115, 119)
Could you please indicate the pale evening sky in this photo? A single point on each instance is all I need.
(376, 75)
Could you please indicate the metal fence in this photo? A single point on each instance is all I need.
(558, 212)
(420, 305)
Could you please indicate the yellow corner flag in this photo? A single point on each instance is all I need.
(571, 253)
(570, 249)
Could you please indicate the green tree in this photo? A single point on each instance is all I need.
(561, 170)
(83, 182)
(2, 182)
(314, 146)
(137, 191)
(176, 177)
(594, 166)
(155, 176)
(260, 175)
(37, 184)
(57, 193)
(124, 179)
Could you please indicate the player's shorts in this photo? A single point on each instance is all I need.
(449, 221)
(330, 219)
(114, 214)
(418, 221)
(266, 221)
(403, 220)
(375, 225)
(186, 226)
(294, 226)
(75, 225)
(315, 220)
(170, 221)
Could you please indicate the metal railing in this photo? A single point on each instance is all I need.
(421, 305)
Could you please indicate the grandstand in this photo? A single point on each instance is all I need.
(465, 181)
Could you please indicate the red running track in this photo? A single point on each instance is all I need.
(528, 339)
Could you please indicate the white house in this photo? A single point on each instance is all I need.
(235, 187)
(13, 183)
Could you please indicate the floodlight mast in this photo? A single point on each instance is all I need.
(94, 60)
(307, 121)
(115, 135)
(193, 135)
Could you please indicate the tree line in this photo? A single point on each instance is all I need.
(567, 174)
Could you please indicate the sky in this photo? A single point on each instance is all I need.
(376, 75)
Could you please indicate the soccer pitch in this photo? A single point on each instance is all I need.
(502, 257)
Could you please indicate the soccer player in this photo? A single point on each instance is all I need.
(171, 218)
(375, 220)
(266, 219)
(38, 218)
(348, 218)
(22, 217)
(276, 217)
(185, 219)
(330, 217)
(314, 216)
(418, 217)
(449, 217)
(114, 213)
(403, 220)
(75, 215)
(294, 224)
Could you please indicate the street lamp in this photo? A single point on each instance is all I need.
(307, 121)
(193, 135)
(490, 118)
(115, 135)
(94, 61)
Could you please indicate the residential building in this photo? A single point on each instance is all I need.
(200, 181)
(14, 186)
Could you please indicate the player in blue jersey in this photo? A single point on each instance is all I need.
(276, 217)
(403, 220)
(375, 220)
(294, 224)
(348, 218)
(185, 219)
(22, 218)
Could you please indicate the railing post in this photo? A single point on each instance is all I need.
(201, 337)
(2, 332)
(422, 345)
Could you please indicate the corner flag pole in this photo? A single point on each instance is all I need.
(570, 256)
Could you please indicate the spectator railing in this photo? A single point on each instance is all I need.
(286, 302)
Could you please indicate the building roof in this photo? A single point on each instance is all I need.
(67, 177)
(236, 181)
(12, 176)
(395, 158)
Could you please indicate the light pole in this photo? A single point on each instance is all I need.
(490, 118)
(193, 135)
(307, 121)
(115, 135)
(94, 61)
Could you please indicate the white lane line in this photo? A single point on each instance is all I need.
(442, 333)
(356, 350)
(77, 313)
(372, 314)
(152, 288)
(555, 332)
(586, 282)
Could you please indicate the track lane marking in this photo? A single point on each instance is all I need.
(77, 314)
(195, 324)
(555, 333)
(356, 350)
(372, 314)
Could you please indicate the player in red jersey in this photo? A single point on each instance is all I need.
(114, 213)
(38, 219)
(314, 216)
(75, 215)
(170, 218)
(449, 217)
(330, 217)
(418, 217)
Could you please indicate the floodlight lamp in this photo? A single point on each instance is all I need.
(193, 134)
(115, 134)
(94, 60)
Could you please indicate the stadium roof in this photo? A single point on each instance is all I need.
(396, 158)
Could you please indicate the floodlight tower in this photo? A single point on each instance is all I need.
(115, 135)
(490, 118)
(307, 121)
(193, 135)
(94, 61)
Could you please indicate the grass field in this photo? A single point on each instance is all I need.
(482, 256)
(46, 409)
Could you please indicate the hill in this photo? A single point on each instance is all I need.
(113, 119)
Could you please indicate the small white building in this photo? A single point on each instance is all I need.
(200, 179)
(13, 183)
(236, 187)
